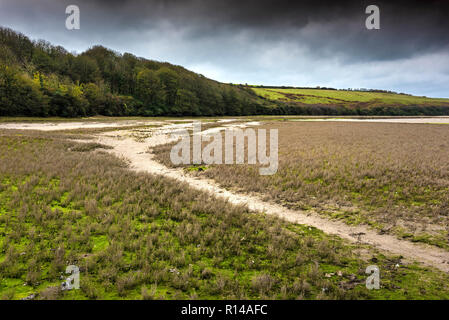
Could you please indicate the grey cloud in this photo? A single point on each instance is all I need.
(266, 42)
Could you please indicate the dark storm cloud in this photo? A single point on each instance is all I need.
(267, 42)
(408, 27)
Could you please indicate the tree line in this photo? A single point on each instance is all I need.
(39, 79)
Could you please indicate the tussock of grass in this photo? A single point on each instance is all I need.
(86, 147)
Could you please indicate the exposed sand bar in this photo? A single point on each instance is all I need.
(53, 126)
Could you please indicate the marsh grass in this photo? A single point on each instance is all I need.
(89, 146)
(137, 236)
(393, 177)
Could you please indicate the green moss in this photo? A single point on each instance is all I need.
(196, 168)
(100, 243)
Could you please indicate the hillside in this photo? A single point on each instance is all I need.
(370, 102)
(39, 79)
(43, 80)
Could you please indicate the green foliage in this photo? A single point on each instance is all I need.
(19, 94)
(150, 92)
(392, 177)
(101, 81)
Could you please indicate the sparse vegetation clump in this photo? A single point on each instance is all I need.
(89, 146)
(137, 236)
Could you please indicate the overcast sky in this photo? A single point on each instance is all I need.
(297, 43)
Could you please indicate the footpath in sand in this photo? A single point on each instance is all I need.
(126, 145)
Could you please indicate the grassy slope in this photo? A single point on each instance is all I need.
(137, 236)
(346, 98)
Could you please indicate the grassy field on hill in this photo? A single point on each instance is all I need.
(346, 98)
